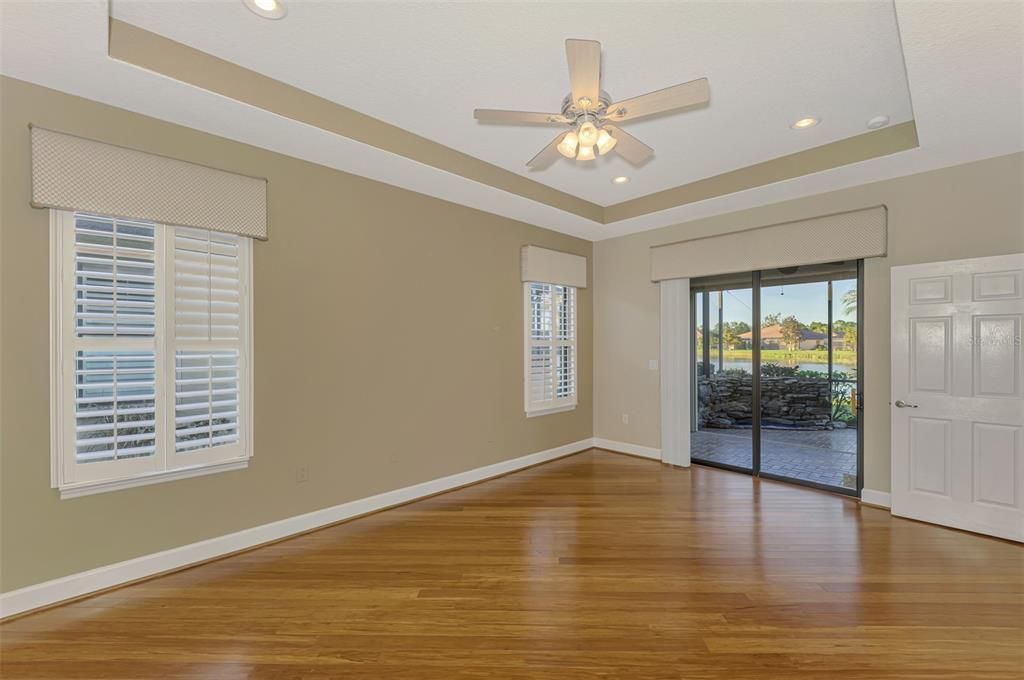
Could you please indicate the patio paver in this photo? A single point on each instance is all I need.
(822, 456)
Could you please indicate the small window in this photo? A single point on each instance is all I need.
(550, 384)
(151, 352)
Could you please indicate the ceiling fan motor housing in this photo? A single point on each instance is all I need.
(598, 108)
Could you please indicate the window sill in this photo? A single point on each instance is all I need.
(90, 488)
(549, 411)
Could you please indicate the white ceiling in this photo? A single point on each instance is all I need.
(425, 66)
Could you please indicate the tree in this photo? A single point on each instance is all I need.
(850, 337)
(849, 302)
(771, 320)
(819, 326)
(730, 335)
(791, 332)
(848, 329)
(714, 333)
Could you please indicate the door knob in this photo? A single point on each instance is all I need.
(902, 404)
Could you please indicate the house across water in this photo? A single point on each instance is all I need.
(772, 337)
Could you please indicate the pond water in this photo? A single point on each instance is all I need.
(804, 366)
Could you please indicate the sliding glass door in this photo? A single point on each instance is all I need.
(724, 405)
(776, 382)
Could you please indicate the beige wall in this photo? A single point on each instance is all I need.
(355, 375)
(969, 210)
(363, 370)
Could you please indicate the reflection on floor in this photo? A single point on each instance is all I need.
(822, 456)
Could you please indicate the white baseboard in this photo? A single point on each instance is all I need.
(879, 498)
(625, 447)
(101, 578)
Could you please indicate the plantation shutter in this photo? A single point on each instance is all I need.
(540, 373)
(550, 347)
(207, 285)
(209, 341)
(565, 341)
(113, 340)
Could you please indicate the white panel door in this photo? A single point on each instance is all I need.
(958, 394)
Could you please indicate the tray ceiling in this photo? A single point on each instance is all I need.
(423, 67)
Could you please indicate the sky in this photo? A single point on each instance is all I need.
(806, 301)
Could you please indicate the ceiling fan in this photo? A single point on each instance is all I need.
(592, 115)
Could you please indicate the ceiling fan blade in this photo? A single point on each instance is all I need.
(676, 97)
(519, 117)
(584, 57)
(629, 147)
(548, 155)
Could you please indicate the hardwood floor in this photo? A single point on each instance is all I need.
(594, 566)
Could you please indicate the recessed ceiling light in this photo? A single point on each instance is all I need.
(878, 122)
(805, 123)
(621, 179)
(268, 9)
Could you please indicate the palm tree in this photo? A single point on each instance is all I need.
(849, 302)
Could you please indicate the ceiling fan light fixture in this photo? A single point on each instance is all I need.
(588, 134)
(567, 147)
(605, 142)
(586, 153)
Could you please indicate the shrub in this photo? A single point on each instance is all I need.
(770, 370)
(841, 408)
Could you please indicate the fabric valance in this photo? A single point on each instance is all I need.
(542, 265)
(73, 173)
(830, 238)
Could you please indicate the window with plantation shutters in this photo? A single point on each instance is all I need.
(151, 352)
(550, 383)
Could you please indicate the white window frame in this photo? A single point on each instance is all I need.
(556, 404)
(74, 479)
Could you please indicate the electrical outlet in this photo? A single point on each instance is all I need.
(652, 364)
(301, 474)
(625, 419)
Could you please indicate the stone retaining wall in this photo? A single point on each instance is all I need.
(725, 401)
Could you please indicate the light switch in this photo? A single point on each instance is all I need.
(653, 364)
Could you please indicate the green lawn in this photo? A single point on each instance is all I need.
(781, 356)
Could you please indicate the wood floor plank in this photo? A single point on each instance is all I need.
(593, 566)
